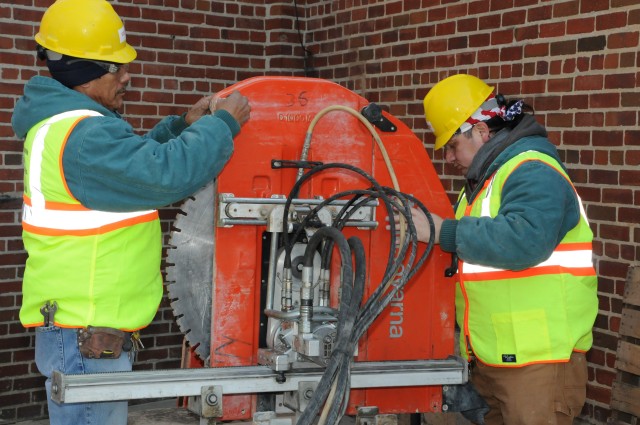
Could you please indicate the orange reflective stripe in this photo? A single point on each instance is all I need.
(575, 246)
(549, 163)
(64, 144)
(45, 231)
(60, 206)
(465, 331)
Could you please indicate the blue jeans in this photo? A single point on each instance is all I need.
(57, 349)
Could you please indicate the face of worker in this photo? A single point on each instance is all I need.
(461, 149)
(109, 89)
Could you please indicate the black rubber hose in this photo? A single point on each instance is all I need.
(338, 368)
(296, 189)
(345, 326)
(344, 348)
(338, 407)
(354, 319)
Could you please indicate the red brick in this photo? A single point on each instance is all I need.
(581, 25)
(622, 40)
(553, 29)
(605, 377)
(632, 138)
(594, 6)
(620, 81)
(611, 21)
(589, 119)
(515, 18)
(609, 100)
(566, 8)
(618, 233)
(628, 215)
(630, 177)
(589, 82)
(601, 213)
(542, 13)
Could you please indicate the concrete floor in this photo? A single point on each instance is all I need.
(164, 412)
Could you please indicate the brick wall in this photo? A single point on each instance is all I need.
(575, 61)
(186, 49)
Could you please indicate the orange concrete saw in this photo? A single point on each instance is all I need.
(250, 285)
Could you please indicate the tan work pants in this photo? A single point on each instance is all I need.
(541, 394)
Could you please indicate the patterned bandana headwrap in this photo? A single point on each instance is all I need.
(490, 109)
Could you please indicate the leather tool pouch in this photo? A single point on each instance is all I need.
(101, 343)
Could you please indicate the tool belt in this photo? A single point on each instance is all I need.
(103, 343)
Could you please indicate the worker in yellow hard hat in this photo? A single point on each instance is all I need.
(92, 187)
(526, 296)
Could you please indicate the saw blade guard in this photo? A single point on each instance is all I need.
(309, 175)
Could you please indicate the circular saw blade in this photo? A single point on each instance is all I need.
(190, 269)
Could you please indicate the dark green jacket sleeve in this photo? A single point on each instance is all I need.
(110, 168)
(537, 210)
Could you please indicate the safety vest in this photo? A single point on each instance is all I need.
(101, 268)
(537, 315)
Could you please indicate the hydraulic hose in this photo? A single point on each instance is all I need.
(354, 317)
(334, 383)
(385, 156)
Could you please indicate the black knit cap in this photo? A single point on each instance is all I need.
(71, 71)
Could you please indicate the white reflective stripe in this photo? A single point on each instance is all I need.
(486, 202)
(74, 220)
(37, 148)
(35, 167)
(583, 212)
(566, 259)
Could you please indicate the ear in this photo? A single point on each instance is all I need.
(83, 88)
(483, 130)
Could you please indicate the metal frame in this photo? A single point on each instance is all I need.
(247, 380)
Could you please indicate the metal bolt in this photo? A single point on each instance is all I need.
(212, 399)
(445, 407)
(308, 394)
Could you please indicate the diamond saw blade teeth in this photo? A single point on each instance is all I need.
(190, 269)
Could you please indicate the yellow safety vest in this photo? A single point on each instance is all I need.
(102, 268)
(537, 315)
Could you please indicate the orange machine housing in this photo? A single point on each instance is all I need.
(419, 323)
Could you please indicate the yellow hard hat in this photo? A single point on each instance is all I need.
(450, 102)
(87, 29)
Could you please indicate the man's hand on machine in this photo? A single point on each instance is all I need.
(236, 104)
(421, 224)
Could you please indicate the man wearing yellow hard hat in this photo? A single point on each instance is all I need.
(92, 187)
(526, 296)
